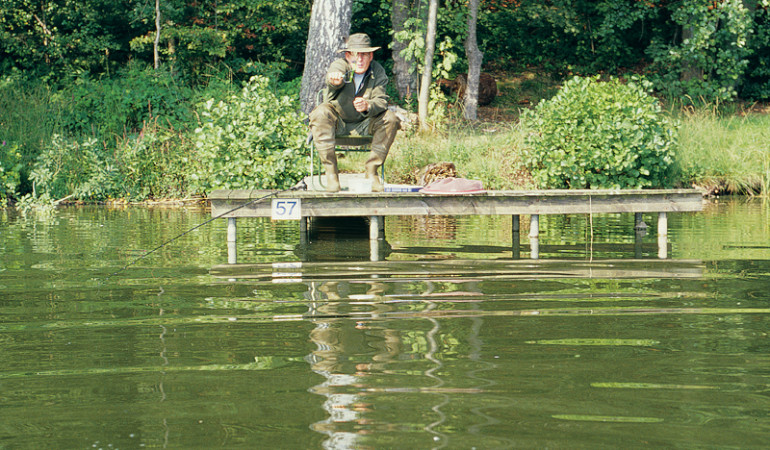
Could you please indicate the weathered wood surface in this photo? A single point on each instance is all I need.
(320, 204)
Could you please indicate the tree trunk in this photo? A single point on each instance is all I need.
(156, 56)
(427, 74)
(405, 77)
(475, 56)
(690, 71)
(47, 36)
(329, 26)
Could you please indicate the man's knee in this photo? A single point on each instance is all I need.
(323, 113)
(391, 120)
(388, 122)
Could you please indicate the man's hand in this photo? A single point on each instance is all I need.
(335, 78)
(361, 104)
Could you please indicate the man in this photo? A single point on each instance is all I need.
(355, 103)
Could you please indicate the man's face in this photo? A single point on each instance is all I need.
(359, 61)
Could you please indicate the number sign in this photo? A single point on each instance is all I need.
(286, 209)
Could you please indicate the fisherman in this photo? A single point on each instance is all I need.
(355, 103)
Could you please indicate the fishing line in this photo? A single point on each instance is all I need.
(299, 186)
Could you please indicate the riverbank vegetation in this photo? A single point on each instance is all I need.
(85, 114)
(725, 153)
(720, 152)
(178, 154)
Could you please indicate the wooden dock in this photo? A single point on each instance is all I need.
(304, 205)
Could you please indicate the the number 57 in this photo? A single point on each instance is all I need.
(281, 207)
(286, 209)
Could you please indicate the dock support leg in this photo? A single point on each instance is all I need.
(382, 224)
(662, 235)
(534, 236)
(516, 236)
(303, 235)
(374, 250)
(640, 230)
(232, 229)
(639, 222)
(376, 227)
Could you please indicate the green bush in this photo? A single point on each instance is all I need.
(149, 165)
(152, 164)
(27, 121)
(595, 134)
(72, 168)
(10, 169)
(251, 140)
(120, 106)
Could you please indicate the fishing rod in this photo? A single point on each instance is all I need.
(300, 186)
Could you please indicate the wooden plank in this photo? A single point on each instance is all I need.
(319, 204)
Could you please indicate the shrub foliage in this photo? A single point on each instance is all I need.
(596, 134)
(79, 168)
(10, 167)
(251, 140)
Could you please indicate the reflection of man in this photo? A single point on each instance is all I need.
(347, 352)
(355, 103)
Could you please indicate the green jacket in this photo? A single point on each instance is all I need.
(372, 89)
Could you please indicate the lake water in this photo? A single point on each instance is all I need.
(447, 343)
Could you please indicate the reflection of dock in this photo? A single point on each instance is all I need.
(427, 333)
(451, 269)
(514, 203)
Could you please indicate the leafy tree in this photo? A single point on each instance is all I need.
(403, 64)
(711, 58)
(756, 84)
(585, 35)
(57, 36)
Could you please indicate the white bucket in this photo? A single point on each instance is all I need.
(360, 185)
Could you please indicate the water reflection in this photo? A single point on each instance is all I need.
(449, 341)
(343, 408)
(344, 358)
(387, 333)
(347, 238)
(355, 357)
(346, 354)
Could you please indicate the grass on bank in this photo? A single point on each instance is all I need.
(720, 153)
(723, 149)
(489, 153)
(725, 154)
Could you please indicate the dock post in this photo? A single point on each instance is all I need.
(376, 227)
(662, 235)
(640, 230)
(303, 231)
(516, 236)
(639, 222)
(374, 250)
(232, 229)
(534, 236)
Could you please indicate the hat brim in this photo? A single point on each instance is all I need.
(362, 49)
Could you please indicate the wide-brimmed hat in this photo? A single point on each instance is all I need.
(358, 42)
